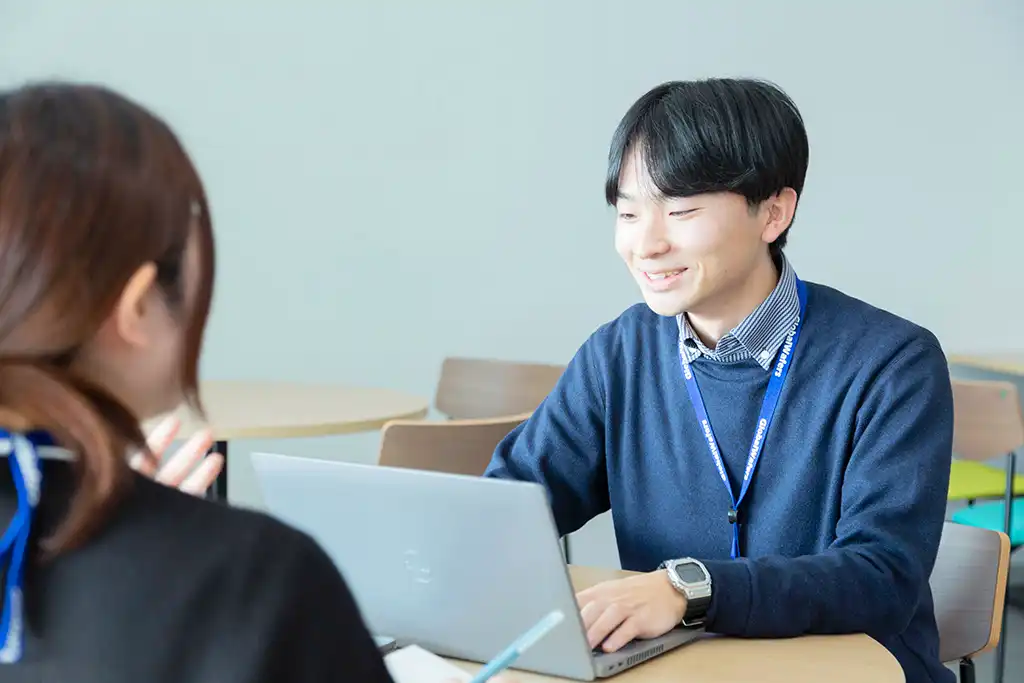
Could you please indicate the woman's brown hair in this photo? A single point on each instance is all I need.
(92, 187)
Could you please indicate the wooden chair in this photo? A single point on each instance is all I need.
(969, 587)
(478, 388)
(987, 424)
(970, 480)
(474, 388)
(452, 446)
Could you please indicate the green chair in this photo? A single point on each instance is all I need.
(987, 424)
(972, 481)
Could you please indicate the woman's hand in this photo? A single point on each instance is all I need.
(192, 468)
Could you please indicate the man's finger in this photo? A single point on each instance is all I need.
(203, 477)
(163, 435)
(622, 636)
(609, 620)
(584, 598)
(590, 612)
(175, 470)
(593, 593)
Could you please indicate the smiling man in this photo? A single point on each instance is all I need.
(775, 453)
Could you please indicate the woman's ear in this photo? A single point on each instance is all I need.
(129, 320)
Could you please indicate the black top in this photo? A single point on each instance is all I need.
(184, 590)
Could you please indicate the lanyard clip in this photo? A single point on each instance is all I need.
(734, 516)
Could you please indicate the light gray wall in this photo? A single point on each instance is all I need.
(396, 181)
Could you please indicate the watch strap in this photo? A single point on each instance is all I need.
(698, 594)
(696, 609)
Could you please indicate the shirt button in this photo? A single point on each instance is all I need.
(765, 355)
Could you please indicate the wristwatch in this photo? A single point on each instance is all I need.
(691, 578)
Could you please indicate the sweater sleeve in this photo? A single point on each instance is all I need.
(561, 445)
(893, 505)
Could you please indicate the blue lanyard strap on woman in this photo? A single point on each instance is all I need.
(776, 380)
(24, 461)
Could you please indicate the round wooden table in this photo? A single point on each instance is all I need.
(1003, 363)
(716, 659)
(245, 409)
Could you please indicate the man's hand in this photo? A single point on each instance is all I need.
(617, 612)
(193, 469)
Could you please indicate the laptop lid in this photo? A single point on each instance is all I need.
(458, 565)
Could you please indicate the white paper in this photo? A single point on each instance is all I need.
(413, 664)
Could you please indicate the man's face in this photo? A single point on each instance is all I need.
(687, 253)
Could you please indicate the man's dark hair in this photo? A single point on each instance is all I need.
(733, 135)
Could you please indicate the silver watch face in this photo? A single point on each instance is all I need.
(688, 572)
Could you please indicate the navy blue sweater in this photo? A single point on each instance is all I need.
(842, 520)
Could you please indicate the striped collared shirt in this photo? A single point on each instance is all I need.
(759, 336)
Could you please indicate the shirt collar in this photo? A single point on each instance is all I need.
(759, 336)
(44, 452)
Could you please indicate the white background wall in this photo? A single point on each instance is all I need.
(397, 181)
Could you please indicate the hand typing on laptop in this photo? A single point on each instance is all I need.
(618, 612)
(414, 555)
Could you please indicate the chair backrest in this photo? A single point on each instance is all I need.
(479, 387)
(969, 587)
(987, 420)
(452, 446)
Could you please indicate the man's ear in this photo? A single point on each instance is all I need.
(779, 208)
(135, 304)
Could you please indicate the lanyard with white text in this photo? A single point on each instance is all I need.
(25, 469)
(764, 420)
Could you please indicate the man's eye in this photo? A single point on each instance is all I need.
(627, 216)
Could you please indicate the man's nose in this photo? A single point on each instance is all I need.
(651, 239)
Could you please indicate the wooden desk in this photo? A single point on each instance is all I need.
(239, 409)
(835, 659)
(1006, 363)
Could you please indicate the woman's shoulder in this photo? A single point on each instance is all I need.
(261, 576)
(237, 539)
(225, 578)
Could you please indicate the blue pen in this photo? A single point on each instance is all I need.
(519, 646)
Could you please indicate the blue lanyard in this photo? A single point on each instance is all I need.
(27, 474)
(783, 362)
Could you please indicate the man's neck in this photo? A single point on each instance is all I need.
(714, 320)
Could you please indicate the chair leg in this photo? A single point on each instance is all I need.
(966, 670)
(1015, 595)
(1011, 474)
(1011, 466)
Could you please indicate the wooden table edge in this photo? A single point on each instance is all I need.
(989, 362)
(882, 660)
(883, 668)
(325, 428)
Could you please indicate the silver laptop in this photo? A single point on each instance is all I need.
(458, 565)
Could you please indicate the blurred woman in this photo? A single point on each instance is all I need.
(106, 277)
